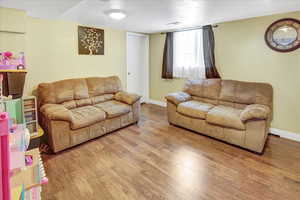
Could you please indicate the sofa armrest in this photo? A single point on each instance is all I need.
(56, 112)
(126, 97)
(178, 97)
(255, 111)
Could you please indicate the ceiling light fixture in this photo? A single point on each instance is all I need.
(117, 14)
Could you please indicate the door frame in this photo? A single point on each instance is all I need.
(146, 92)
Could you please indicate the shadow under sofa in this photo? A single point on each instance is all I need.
(73, 111)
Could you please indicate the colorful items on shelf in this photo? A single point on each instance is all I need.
(30, 115)
(8, 61)
(14, 108)
(19, 179)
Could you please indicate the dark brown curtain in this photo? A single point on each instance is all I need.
(167, 66)
(209, 52)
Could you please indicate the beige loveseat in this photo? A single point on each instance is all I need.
(233, 111)
(76, 110)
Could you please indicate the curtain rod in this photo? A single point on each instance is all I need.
(189, 29)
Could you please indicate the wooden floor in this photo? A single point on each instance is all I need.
(155, 161)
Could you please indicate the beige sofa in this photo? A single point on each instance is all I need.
(233, 111)
(76, 110)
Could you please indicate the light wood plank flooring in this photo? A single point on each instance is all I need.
(156, 161)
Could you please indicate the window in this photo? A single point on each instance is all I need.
(188, 61)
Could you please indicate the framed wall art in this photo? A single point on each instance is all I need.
(90, 41)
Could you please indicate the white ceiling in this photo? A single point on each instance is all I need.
(150, 16)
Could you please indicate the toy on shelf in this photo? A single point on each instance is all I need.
(9, 62)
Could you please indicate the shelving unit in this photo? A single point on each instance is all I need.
(30, 115)
(13, 70)
(18, 179)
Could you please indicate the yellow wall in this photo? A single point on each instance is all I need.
(52, 53)
(241, 54)
(51, 49)
(12, 20)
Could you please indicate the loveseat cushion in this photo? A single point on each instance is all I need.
(70, 104)
(246, 92)
(178, 97)
(126, 97)
(86, 116)
(225, 116)
(102, 98)
(114, 108)
(194, 109)
(103, 85)
(255, 111)
(207, 88)
(56, 112)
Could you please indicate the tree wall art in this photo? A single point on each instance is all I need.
(90, 41)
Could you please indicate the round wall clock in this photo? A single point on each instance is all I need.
(283, 35)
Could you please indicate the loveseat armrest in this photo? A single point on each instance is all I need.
(126, 97)
(178, 97)
(255, 111)
(56, 112)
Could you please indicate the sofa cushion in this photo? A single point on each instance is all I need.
(225, 116)
(56, 112)
(63, 91)
(127, 97)
(70, 104)
(246, 92)
(194, 109)
(178, 97)
(102, 98)
(83, 102)
(70, 89)
(103, 85)
(86, 116)
(207, 88)
(114, 108)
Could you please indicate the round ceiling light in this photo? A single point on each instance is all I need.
(117, 14)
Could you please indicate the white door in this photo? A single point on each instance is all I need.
(138, 64)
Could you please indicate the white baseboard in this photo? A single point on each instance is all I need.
(274, 131)
(285, 134)
(159, 103)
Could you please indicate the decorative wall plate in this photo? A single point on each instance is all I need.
(283, 35)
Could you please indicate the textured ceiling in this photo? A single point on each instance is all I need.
(150, 16)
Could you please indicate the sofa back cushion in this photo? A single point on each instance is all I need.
(106, 85)
(240, 92)
(205, 88)
(78, 92)
(232, 93)
(63, 91)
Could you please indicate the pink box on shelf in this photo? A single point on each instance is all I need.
(7, 67)
(11, 63)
